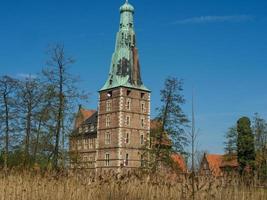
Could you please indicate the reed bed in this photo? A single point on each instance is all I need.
(28, 186)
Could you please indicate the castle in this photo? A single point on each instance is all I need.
(116, 136)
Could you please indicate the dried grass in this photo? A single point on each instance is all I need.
(26, 186)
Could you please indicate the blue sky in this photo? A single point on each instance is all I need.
(218, 47)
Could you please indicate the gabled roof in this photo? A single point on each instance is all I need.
(87, 113)
(82, 116)
(214, 162)
(217, 162)
(179, 160)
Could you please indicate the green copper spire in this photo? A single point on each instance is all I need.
(125, 68)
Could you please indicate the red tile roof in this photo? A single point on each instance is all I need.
(218, 162)
(214, 162)
(87, 113)
(82, 115)
(179, 160)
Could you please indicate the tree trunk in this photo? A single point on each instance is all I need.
(37, 140)
(7, 134)
(59, 118)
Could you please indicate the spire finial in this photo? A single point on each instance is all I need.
(127, 1)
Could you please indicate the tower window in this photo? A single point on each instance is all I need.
(126, 159)
(128, 92)
(107, 159)
(143, 107)
(141, 139)
(80, 130)
(108, 106)
(142, 160)
(128, 104)
(127, 138)
(128, 120)
(107, 121)
(142, 122)
(142, 95)
(91, 143)
(107, 138)
(109, 94)
(92, 127)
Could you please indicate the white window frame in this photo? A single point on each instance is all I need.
(108, 121)
(107, 159)
(107, 138)
(108, 105)
(85, 144)
(79, 144)
(92, 127)
(91, 143)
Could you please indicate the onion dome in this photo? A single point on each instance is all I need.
(127, 7)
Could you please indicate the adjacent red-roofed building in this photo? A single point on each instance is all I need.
(82, 116)
(218, 165)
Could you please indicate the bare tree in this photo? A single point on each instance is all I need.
(63, 86)
(8, 86)
(29, 98)
(192, 138)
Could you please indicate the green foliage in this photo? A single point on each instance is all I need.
(260, 132)
(169, 134)
(171, 113)
(231, 141)
(245, 145)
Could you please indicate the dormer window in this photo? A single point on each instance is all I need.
(86, 128)
(92, 127)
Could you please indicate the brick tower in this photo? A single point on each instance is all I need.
(124, 105)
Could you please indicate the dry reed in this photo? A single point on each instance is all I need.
(26, 186)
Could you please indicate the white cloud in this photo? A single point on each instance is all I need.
(215, 19)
